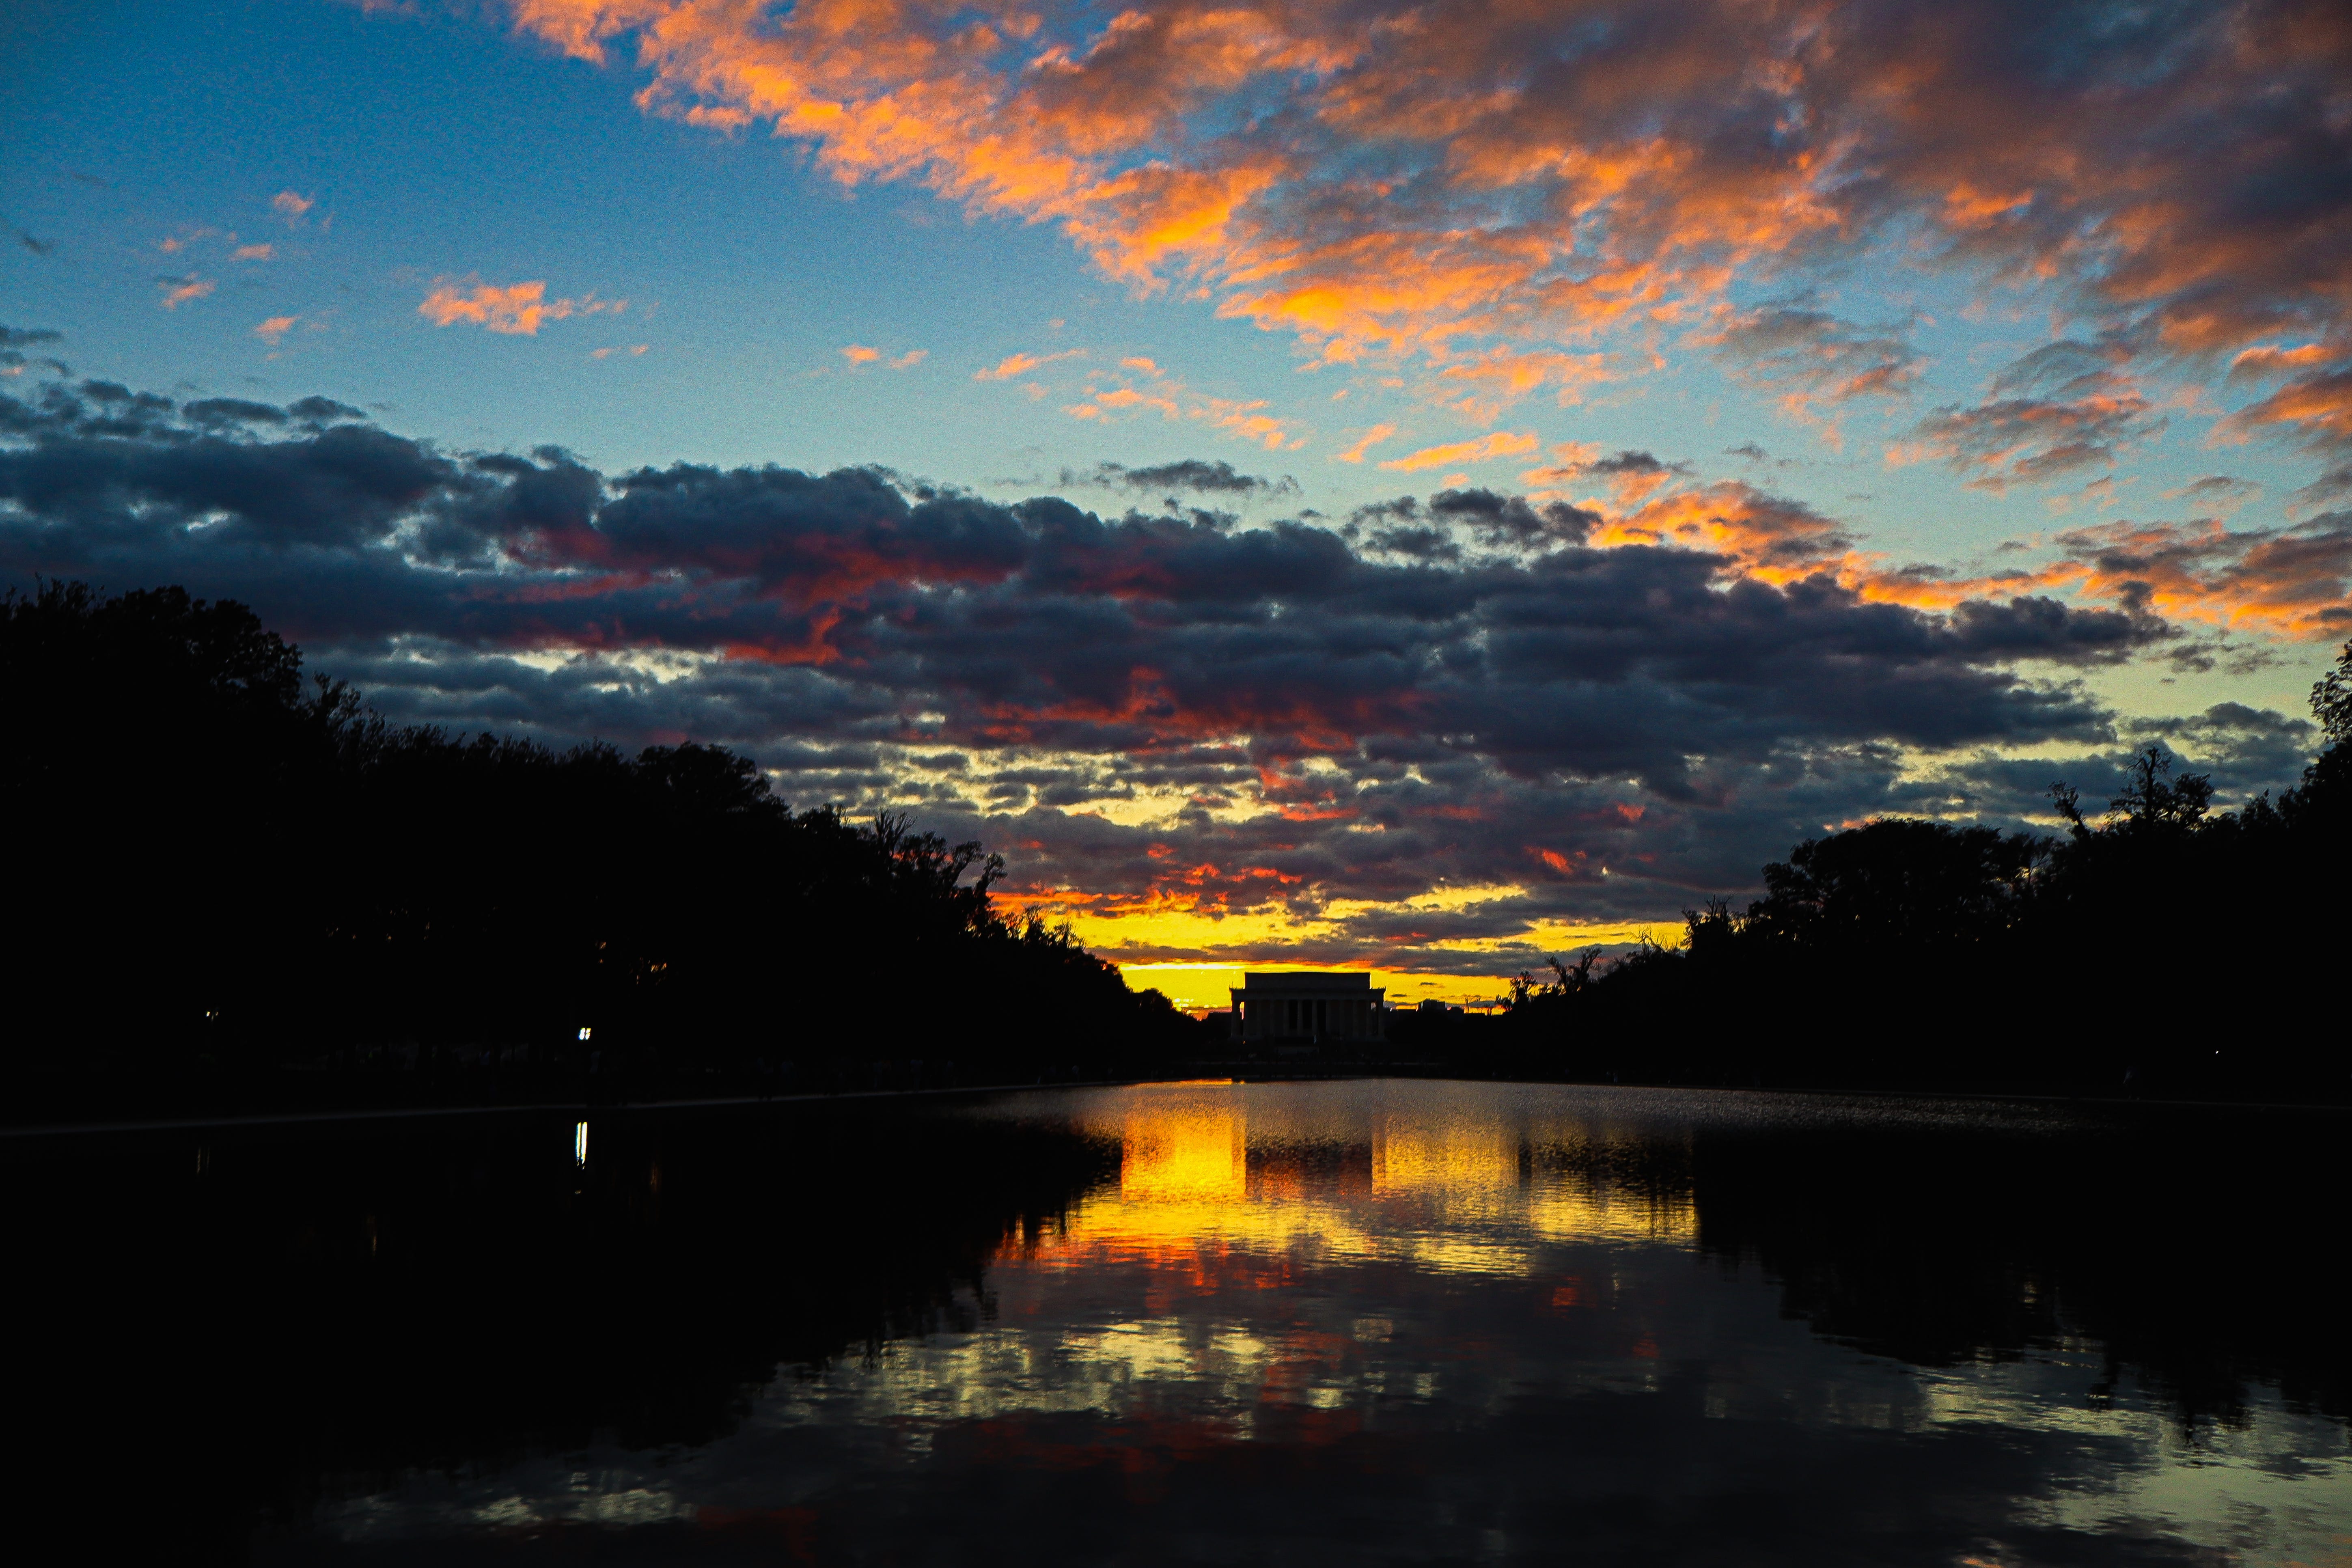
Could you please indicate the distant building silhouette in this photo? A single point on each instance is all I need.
(1308, 1008)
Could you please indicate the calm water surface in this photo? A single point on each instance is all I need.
(1355, 1322)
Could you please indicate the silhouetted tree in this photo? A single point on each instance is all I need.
(2331, 698)
(1898, 883)
(226, 872)
(2162, 946)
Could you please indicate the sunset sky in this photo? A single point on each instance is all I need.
(1417, 486)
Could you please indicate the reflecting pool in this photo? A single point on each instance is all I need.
(1370, 1321)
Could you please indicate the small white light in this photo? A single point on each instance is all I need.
(586, 1031)
(580, 1143)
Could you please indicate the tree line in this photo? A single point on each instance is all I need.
(222, 868)
(224, 872)
(2158, 947)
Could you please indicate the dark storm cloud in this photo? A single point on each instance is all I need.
(2031, 628)
(115, 467)
(1631, 462)
(1195, 475)
(1430, 546)
(322, 411)
(1497, 519)
(15, 340)
(220, 411)
(1610, 730)
(1114, 632)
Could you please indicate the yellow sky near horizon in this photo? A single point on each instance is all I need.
(1148, 928)
(1196, 985)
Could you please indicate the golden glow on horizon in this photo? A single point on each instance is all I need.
(1169, 921)
(1194, 984)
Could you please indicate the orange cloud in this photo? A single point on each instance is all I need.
(1499, 443)
(516, 309)
(1128, 397)
(2315, 408)
(2292, 581)
(253, 253)
(1015, 364)
(1371, 437)
(858, 353)
(1514, 214)
(1247, 421)
(1141, 386)
(291, 206)
(1486, 384)
(1632, 477)
(2269, 359)
(1005, 120)
(1769, 536)
(274, 328)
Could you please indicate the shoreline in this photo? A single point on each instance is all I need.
(28, 1132)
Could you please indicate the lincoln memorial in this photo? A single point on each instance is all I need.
(1308, 1005)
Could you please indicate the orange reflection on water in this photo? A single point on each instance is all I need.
(1182, 1145)
(1220, 1186)
(1449, 1158)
